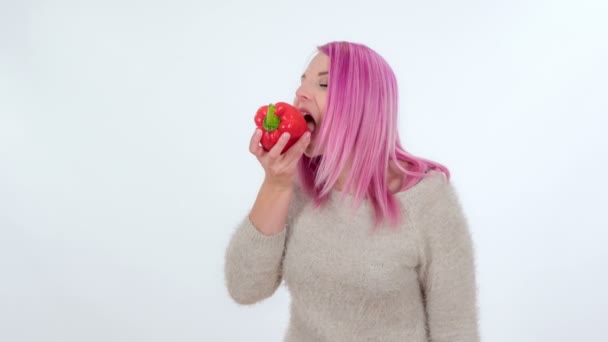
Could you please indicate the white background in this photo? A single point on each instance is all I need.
(124, 164)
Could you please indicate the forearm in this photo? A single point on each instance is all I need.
(253, 263)
(269, 212)
(254, 255)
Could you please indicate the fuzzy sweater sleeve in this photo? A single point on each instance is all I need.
(253, 261)
(447, 272)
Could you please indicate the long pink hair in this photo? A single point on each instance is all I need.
(359, 133)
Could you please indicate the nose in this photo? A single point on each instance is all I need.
(302, 92)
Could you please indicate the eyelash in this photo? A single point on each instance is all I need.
(321, 84)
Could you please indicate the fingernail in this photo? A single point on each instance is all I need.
(286, 136)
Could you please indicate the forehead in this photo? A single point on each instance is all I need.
(319, 63)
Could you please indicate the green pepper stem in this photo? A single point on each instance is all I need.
(271, 121)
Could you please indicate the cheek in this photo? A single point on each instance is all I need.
(322, 102)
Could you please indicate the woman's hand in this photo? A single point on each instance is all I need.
(280, 169)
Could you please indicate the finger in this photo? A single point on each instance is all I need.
(297, 150)
(276, 150)
(254, 144)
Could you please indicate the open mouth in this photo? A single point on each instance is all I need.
(312, 124)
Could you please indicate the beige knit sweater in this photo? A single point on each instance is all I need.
(350, 283)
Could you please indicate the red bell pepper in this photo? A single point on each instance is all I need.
(276, 119)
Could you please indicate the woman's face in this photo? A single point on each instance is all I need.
(311, 96)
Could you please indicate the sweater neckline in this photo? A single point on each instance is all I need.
(402, 194)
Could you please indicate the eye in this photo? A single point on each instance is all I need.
(322, 82)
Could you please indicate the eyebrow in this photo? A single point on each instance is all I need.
(322, 73)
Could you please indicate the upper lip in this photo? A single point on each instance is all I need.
(305, 111)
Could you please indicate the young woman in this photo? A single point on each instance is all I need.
(370, 240)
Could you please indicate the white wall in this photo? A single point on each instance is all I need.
(124, 166)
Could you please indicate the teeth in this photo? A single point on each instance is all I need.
(311, 126)
(310, 121)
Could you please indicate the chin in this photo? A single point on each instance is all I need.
(310, 150)
(311, 154)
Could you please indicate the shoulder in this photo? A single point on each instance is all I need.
(430, 188)
(438, 216)
(434, 205)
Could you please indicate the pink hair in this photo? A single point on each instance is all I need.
(359, 133)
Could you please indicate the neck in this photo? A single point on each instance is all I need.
(340, 183)
(394, 179)
(342, 179)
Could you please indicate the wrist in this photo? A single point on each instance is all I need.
(277, 186)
